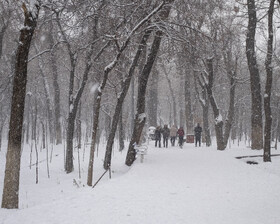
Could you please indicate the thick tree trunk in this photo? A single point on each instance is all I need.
(153, 99)
(140, 117)
(107, 70)
(12, 172)
(230, 115)
(204, 102)
(256, 114)
(216, 111)
(121, 132)
(268, 86)
(58, 134)
(132, 105)
(231, 71)
(96, 109)
(206, 128)
(108, 154)
(188, 103)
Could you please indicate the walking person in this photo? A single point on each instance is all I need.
(197, 134)
(181, 134)
(158, 136)
(173, 134)
(165, 135)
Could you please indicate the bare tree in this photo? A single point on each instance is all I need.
(108, 154)
(107, 70)
(268, 86)
(140, 117)
(12, 170)
(221, 135)
(256, 113)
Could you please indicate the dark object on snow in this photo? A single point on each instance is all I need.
(252, 162)
(242, 157)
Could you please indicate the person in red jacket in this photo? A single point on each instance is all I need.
(181, 134)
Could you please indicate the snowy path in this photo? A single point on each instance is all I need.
(181, 186)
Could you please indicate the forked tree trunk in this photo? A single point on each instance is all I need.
(140, 117)
(98, 97)
(256, 113)
(216, 111)
(12, 171)
(268, 86)
(221, 135)
(108, 154)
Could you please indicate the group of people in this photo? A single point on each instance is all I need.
(172, 133)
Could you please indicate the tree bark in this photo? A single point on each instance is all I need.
(256, 113)
(58, 134)
(188, 103)
(12, 170)
(216, 111)
(204, 102)
(98, 97)
(268, 86)
(140, 117)
(108, 154)
(152, 106)
(174, 122)
(121, 132)
(231, 71)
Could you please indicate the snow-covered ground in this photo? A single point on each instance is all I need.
(190, 185)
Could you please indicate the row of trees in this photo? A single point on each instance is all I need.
(86, 59)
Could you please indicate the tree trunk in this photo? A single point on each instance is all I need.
(231, 71)
(140, 117)
(172, 96)
(216, 111)
(98, 97)
(12, 170)
(132, 104)
(268, 86)
(256, 113)
(58, 134)
(188, 103)
(121, 132)
(108, 154)
(204, 102)
(153, 99)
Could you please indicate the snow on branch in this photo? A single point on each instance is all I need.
(218, 119)
(125, 43)
(32, 7)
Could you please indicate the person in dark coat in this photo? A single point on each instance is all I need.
(165, 135)
(158, 136)
(197, 134)
(181, 134)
